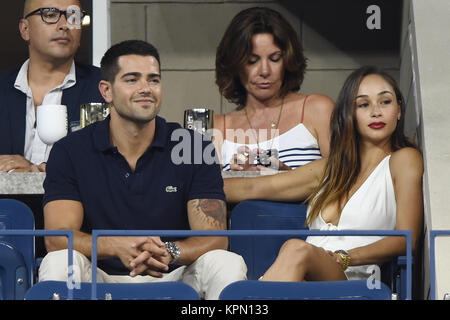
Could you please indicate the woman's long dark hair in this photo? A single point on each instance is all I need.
(344, 162)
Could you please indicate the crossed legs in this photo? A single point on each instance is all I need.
(300, 261)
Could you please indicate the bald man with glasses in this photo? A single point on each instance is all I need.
(52, 29)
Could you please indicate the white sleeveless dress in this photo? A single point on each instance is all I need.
(372, 207)
(296, 147)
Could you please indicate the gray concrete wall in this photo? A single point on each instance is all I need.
(188, 32)
(431, 81)
(409, 86)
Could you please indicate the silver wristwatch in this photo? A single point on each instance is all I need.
(174, 251)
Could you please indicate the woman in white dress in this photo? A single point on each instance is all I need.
(372, 179)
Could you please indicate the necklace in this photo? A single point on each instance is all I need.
(273, 125)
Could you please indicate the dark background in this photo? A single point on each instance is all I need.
(334, 20)
(343, 23)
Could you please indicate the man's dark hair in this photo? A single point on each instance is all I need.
(109, 63)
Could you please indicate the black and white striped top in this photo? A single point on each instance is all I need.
(296, 147)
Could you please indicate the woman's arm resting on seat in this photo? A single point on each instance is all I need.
(293, 185)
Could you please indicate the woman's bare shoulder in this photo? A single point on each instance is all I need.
(407, 161)
(224, 119)
(320, 102)
(218, 121)
(234, 119)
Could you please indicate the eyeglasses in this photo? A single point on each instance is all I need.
(53, 15)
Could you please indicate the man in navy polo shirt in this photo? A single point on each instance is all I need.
(120, 173)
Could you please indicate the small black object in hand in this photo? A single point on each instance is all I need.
(263, 157)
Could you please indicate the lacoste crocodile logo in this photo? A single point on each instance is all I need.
(171, 189)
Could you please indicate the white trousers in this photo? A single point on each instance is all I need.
(208, 275)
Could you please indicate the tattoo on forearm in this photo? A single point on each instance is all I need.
(213, 211)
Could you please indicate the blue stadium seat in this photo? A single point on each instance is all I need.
(393, 274)
(58, 290)
(434, 293)
(15, 215)
(314, 290)
(13, 273)
(259, 253)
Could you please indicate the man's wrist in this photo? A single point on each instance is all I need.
(106, 247)
(174, 251)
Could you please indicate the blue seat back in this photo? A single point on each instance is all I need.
(58, 290)
(15, 215)
(13, 273)
(313, 290)
(260, 252)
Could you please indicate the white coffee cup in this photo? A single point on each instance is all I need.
(51, 122)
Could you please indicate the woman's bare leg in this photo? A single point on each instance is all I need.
(299, 261)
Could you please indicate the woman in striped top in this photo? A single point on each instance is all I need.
(260, 67)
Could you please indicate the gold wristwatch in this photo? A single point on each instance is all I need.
(345, 256)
